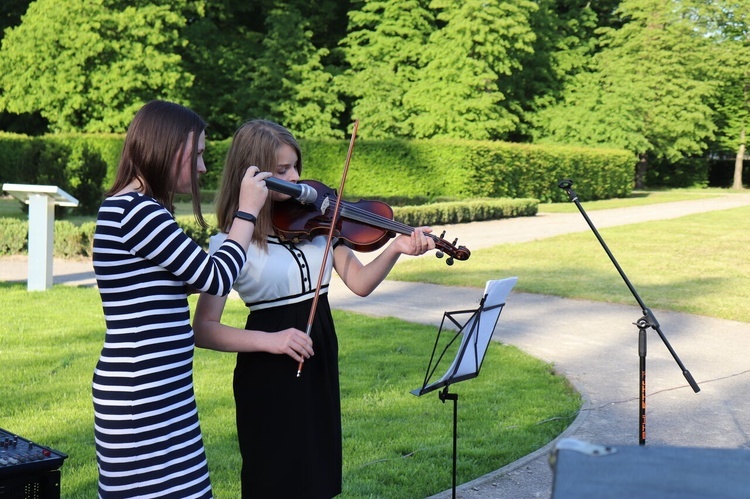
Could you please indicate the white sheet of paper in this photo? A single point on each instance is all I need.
(497, 292)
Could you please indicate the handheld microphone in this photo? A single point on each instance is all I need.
(301, 192)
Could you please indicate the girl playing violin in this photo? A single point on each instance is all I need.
(289, 427)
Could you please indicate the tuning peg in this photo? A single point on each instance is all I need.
(449, 261)
(439, 253)
(455, 241)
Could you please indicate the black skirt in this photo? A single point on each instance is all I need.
(289, 427)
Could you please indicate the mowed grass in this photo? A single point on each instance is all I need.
(637, 198)
(696, 264)
(395, 444)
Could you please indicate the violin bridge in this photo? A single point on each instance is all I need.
(324, 205)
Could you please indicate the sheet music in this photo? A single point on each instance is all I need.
(476, 340)
(477, 334)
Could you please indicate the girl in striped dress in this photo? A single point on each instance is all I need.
(147, 434)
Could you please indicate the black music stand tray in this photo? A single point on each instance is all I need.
(477, 333)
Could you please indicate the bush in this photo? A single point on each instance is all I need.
(84, 166)
(14, 235)
(68, 240)
(195, 231)
(462, 212)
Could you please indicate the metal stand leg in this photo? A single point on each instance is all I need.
(444, 395)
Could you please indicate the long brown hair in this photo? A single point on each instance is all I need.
(255, 143)
(157, 135)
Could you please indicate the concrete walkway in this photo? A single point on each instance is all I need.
(594, 345)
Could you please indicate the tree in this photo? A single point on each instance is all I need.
(726, 24)
(457, 92)
(290, 81)
(87, 66)
(227, 46)
(564, 44)
(383, 50)
(645, 91)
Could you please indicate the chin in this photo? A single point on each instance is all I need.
(277, 196)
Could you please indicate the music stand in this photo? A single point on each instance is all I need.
(477, 332)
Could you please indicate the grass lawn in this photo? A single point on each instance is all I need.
(696, 264)
(395, 444)
(637, 198)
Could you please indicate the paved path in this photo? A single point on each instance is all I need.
(594, 345)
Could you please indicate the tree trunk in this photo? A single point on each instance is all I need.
(640, 171)
(737, 184)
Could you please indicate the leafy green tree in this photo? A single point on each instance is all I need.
(383, 50)
(221, 47)
(85, 65)
(289, 78)
(457, 92)
(564, 44)
(227, 48)
(726, 24)
(645, 91)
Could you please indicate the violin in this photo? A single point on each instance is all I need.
(365, 225)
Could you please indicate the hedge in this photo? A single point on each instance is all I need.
(84, 166)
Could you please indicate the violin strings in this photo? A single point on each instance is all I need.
(376, 220)
(365, 216)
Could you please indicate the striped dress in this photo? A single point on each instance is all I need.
(148, 438)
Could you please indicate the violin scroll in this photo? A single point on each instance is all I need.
(442, 246)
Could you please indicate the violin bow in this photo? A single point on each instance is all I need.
(334, 221)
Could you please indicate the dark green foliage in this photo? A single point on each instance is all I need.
(216, 152)
(422, 169)
(81, 165)
(687, 172)
(86, 171)
(721, 172)
(14, 235)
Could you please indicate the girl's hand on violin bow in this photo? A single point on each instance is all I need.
(291, 342)
(417, 243)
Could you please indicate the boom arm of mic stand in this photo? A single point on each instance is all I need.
(648, 316)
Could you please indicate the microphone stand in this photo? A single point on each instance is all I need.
(647, 321)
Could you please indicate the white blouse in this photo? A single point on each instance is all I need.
(287, 273)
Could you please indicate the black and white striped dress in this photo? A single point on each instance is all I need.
(148, 438)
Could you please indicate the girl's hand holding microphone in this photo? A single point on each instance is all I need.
(252, 197)
(253, 190)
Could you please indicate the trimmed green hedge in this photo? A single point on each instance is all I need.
(465, 211)
(84, 165)
(470, 169)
